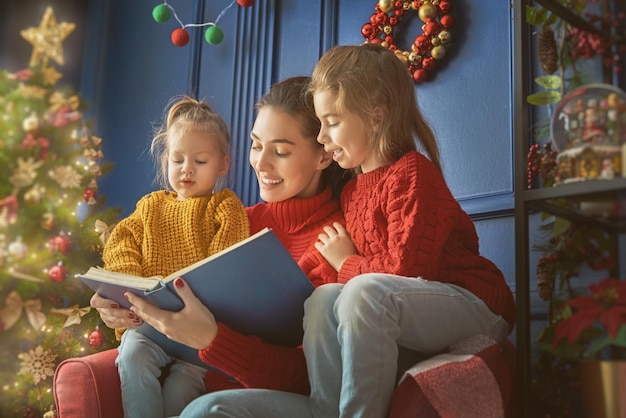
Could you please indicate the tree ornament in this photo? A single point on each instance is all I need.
(95, 338)
(214, 35)
(90, 195)
(47, 39)
(429, 48)
(31, 122)
(245, 3)
(547, 50)
(17, 249)
(57, 273)
(47, 221)
(60, 243)
(180, 37)
(161, 13)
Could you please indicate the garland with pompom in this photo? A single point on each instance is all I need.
(428, 48)
(180, 37)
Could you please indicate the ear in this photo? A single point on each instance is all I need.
(326, 158)
(225, 166)
(377, 117)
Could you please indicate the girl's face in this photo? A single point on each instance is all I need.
(286, 163)
(195, 163)
(344, 134)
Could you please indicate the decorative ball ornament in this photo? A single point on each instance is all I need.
(90, 195)
(428, 48)
(57, 273)
(161, 13)
(180, 37)
(60, 243)
(96, 338)
(214, 35)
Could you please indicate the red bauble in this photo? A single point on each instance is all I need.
(90, 195)
(445, 7)
(432, 28)
(57, 273)
(447, 21)
(180, 37)
(95, 338)
(419, 76)
(245, 3)
(60, 243)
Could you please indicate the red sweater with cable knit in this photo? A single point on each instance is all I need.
(404, 220)
(250, 362)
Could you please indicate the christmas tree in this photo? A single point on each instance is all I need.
(53, 225)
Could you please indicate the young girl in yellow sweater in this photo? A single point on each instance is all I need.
(170, 229)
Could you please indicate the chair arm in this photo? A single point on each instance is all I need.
(88, 387)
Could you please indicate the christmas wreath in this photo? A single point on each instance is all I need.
(428, 48)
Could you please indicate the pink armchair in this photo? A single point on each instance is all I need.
(476, 374)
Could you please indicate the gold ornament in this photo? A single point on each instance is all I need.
(47, 38)
(427, 12)
(51, 76)
(25, 173)
(438, 52)
(385, 5)
(30, 123)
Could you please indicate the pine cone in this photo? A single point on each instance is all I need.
(545, 277)
(548, 53)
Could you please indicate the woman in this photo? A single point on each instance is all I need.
(299, 183)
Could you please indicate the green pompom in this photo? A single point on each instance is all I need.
(214, 35)
(161, 13)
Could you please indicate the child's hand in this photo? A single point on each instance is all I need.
(335, 245)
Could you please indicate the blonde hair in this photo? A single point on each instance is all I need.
(369, 81)
(185, 115)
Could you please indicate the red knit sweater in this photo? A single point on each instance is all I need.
(251, 362)
(404, 220)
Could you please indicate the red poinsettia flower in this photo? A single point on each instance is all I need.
(606, 306)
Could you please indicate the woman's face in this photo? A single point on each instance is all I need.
(286, 163)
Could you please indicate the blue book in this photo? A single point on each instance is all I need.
(255, 287)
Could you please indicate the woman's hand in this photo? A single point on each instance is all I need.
(335, 245)
(112, 315)
(193, 326)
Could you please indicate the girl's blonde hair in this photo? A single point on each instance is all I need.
(186, 115)
(369, 81)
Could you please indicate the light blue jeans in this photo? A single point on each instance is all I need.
(139, 364)
(351, 338)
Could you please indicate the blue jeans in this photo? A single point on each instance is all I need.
(351, 338)
(139, 364)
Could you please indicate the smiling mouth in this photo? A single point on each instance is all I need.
(270, 181)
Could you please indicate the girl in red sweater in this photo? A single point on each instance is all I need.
(300, 185)
(408, 255)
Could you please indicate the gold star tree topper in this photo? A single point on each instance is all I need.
(47, 39)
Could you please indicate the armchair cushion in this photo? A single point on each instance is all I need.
(88, 387)
(475, 378)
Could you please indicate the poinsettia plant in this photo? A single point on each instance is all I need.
(593, 325)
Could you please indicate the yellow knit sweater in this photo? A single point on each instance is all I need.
(164, 234)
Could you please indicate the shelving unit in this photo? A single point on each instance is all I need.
(544, 199)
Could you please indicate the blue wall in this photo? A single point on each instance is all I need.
(132, 69)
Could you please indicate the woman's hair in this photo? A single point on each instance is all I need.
(372, 83)
(293, 97)
(186, 115)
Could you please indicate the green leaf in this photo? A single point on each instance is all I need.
(536, 16)
(550, 82)
(560, 226)
(544, 98)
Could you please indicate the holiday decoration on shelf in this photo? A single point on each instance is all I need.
(429, 48)
(52, 162)
(214, 35)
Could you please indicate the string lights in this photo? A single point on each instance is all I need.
(180, 37)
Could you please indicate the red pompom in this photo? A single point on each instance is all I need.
(245, 3)
(180, 37)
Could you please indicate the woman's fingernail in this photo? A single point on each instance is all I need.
(137, 321)
(131, 315)
(179, 283)
(115, 306)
